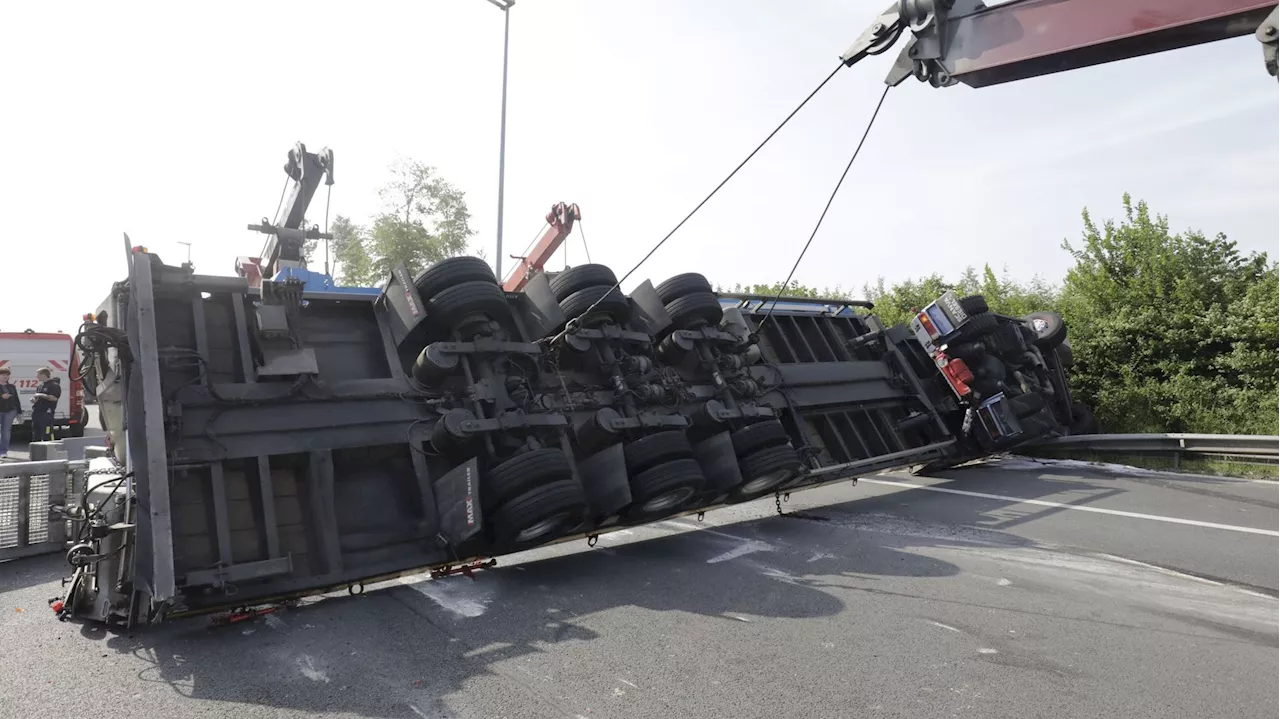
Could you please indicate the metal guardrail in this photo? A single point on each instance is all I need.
(1255, 448)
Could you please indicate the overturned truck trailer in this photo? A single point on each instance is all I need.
(270, 443)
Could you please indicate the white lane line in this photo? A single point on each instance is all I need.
(747, 546)
(1078, 508)
(1184, 575)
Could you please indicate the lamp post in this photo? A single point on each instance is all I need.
(188, 244)
(505, 6)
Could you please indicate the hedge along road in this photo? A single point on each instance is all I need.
(875, 600)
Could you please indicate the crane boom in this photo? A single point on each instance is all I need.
(559, 224)
(979, 45)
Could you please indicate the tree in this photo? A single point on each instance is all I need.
(794, 289)
(344, 230)
(356, 264)
(424, 220)
(1172, 332)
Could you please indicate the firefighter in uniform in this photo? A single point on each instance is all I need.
(43, 404)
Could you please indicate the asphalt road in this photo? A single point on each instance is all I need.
(1120, 595)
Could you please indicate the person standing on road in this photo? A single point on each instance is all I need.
(10, 408)
(43, 404)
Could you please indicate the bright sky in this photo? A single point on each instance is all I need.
(172, 124)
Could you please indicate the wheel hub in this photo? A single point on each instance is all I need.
(772, 479)
(544, 527)
(668, 500)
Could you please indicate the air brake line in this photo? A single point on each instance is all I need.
(723, 182)
(783, 287)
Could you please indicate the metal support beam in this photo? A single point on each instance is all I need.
(266, 489)
(323, 513)
(147, 431)
(1016, 40)
(221, 522)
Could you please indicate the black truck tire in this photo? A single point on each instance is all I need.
(974, 305)
(612, 303)
(1049, 327)
(1066, 358)
(455, 303)
(523, 472)
(576, 279)
(767, 468)
(665, 488)
(694, 310)
(978, 326)
(769, 433)
(539, 515)
(656, 449)
(682, 286)
(451, 272)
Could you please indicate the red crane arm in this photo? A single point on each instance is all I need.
(1027, 38)
(968, 41)
(559, 224)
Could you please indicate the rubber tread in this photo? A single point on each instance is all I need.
(681, 286)
(694, 310)
(524, 472)
(576, 279)
(769, 433)
(655, 449)
(451, 272)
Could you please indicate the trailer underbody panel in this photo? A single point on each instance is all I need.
(271, 443)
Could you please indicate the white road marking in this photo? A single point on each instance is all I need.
(1003, 582)
(1183, 575)
(624, 681)
(944, 626)
(1078, 508)
(985, 650)
(465, 597)
(417, 711)
(748, 546)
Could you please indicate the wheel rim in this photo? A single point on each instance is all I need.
(544, 527)
(759, 484)
(667, 501)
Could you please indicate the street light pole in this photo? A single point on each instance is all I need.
(188, 244)
(505, 6)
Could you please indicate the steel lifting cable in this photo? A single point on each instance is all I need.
(328, 194)
(723, 182)
(783, 287)
(523, 255)
(584, 241)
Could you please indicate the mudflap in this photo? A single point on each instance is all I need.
(719, 463)
(604, 482)
(458, 505)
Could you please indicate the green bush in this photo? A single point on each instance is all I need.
(1170, 332)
